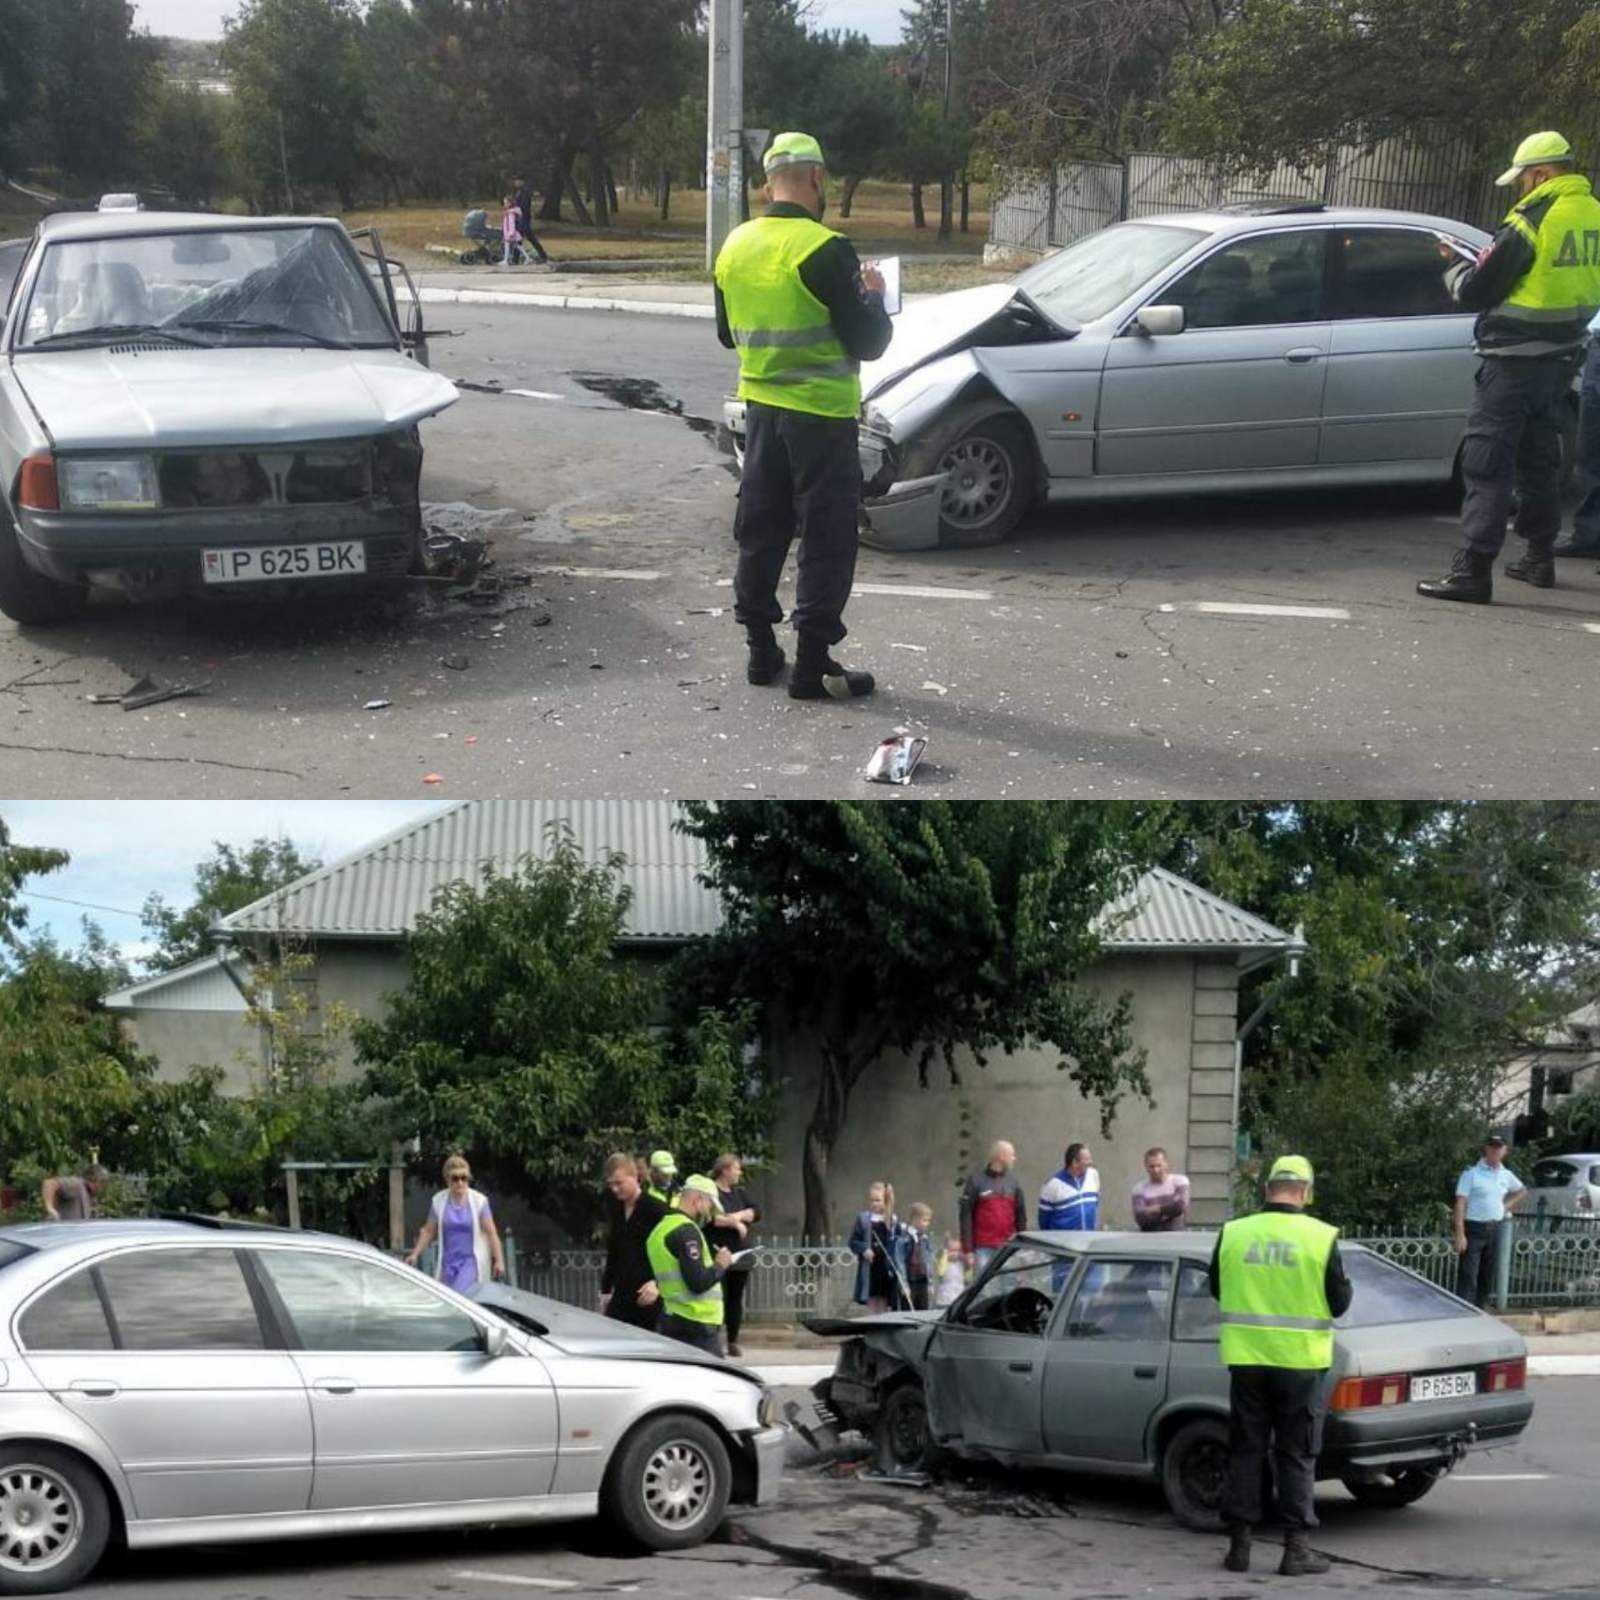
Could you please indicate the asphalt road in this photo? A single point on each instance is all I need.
(1106, 651)
(1518, 1522)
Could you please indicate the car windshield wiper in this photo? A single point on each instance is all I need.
(250, 325)
(113, 331)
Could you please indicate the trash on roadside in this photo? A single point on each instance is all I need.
(456, 663)
(896, 758)
(921, 649)
(935, 688)
(706, 611)
(151, 691)
(903, 1480)
(377, 705)
(432, 777)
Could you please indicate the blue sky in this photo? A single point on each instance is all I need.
(123, 850)
(202, 19)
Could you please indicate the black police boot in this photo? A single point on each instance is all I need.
(766, 654)
(1299, 1559)
(1470, 578)
(1238, 1556)
(817, 676)
(1536, 566)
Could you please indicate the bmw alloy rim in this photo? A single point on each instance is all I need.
(678, 1481)
(977, 482)
(41, 1518)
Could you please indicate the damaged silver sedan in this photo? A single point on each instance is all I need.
(196, 402)
(1259, 347)
(1097, 1353)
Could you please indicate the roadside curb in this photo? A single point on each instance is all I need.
(801, 1376)
(561, 302)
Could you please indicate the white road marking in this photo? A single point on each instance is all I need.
(1229, 608)
(536, 394)
(1564, 1366)
(907, 591)
(1498, 1477)
(515, 1578)
(631, 574)
(1591, 627)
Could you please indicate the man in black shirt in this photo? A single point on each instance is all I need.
(731, 1227)
(627, 1287)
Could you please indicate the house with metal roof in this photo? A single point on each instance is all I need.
(1179, 950)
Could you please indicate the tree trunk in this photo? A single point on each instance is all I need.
(577, 202)
(664, 193)
(919, 218)
(555, 185)
(947, 199)
(966, 202)
(599, 185)
(847, 199)
(611, 190)
(827, 1121)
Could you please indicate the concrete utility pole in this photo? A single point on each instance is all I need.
(724, 125)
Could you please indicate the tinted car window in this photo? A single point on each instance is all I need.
(1273, 279)
(336, 1303)
(1394, 272)
(1553, 1174)
(66, 1317)
(1199, 1317)
(181, 1300)
(1125, 1300)
(1384, 1293)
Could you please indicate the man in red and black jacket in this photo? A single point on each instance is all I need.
(993, 1207)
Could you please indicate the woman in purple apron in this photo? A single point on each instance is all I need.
(463, 1223)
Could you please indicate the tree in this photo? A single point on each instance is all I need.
(18, 863)
(930, 930)
(299, 89)
(854, 111)
(19, 81)
(1444, 939)
(525, 1038)
(183, 141)
(230, 879)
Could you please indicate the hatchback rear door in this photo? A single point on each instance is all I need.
(1106, 1370)
(162, 1352)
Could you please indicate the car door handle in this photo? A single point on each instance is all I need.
(1147, 1372)
(1302, 354)
(99, 1388)
(335, 1385)
(1019, 1366)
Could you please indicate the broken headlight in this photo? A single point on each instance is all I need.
(109, 483)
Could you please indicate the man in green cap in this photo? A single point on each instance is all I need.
(795, 302)
(1535, 289)
(1279, 1281)
(687, 1274)
(663, 1183)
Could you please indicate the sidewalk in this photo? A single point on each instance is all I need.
(531, 287)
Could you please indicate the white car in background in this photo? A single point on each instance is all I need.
(1566, 1186)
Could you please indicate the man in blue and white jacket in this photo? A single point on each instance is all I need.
(1071, 1199)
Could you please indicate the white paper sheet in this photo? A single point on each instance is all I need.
(889, 266)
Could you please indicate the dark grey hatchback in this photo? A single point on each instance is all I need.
(1098, 1353)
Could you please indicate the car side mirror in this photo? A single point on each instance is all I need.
(1159, 322)
(496, 1341)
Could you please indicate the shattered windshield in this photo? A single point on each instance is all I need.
(1094, 276)
(265, 286)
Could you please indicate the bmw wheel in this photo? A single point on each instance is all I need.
(990, 472)
(669, 1483)
(54, 1520)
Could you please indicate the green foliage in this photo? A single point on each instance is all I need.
(929, 930)
(182, 140)
(230, 879)
(18, 863)
(525, 1039)
(1445, 938)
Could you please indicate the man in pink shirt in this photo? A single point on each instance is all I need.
(1161, 1203)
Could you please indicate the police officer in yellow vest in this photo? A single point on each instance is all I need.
(1535, 289)
(687, 1274)
(1279, 1281)
(794, 301)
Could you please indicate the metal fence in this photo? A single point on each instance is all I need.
(1039, 212)
(1552, 1263)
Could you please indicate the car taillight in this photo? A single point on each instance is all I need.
(37, 488)
(1356, 1394)
(1503, 1375)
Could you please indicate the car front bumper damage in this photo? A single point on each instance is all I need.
(768, 1449)
(896, 514)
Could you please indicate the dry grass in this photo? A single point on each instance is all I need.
(19, 216)
(880, 224)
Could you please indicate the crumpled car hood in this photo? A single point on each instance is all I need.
(585, 1333)
(836, 1327)
(177, 399)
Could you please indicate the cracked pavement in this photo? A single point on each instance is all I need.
(1112, 650)
(1518, 1522)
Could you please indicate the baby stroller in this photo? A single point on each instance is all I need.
(490, 247)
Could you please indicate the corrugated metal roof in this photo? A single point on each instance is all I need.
(377, 892)
(200, 986)
(1165, 912)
